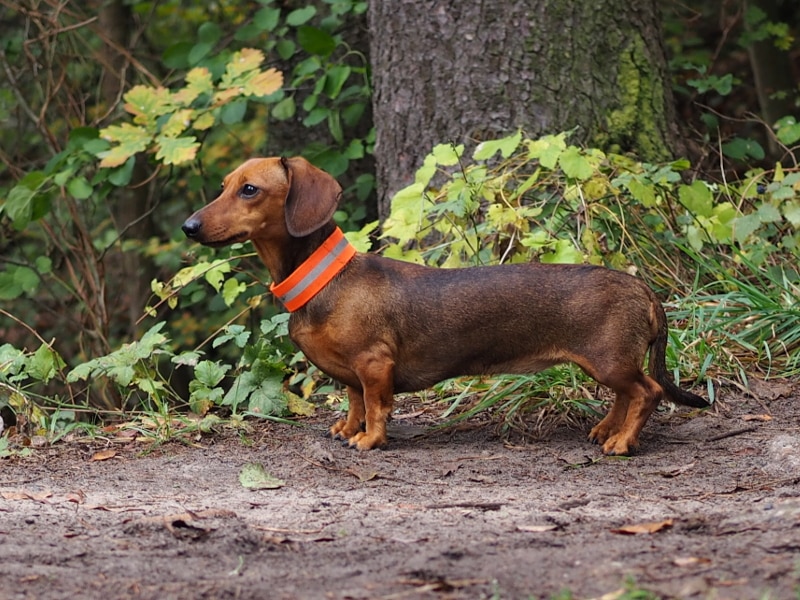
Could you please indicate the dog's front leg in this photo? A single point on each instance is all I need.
(376, 375)
(347, 428)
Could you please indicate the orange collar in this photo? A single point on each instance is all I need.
(315, 273)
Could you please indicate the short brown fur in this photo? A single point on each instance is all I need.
(383, 326)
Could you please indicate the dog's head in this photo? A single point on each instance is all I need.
(267, 198)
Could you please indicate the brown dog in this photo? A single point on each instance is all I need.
(382, 326)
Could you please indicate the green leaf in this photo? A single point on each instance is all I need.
(697, 198)
(242, 386)
(335, 79)
(253, 476)
(269, 398)
(300, 16)
(315, 41)
(355, 150)
(446, 155)
(199, 52)
(209, 32)
(177, 151)
(44, 264)
(285, 109)
(564, 252)
(285, 49)
(744, 226)
(332, 161)
(741, 148)
(44, 364)
(361, 239)
(10, 289)
(316, 116)
(791, 210)
(176, 56)
(26, 278)
(646, 194)
(210, 373)
(505, 146)
(335, 126)
(237, 333)
(767, 213)
(266, 19)
(79, 188)
(234, 112)
(19, 206)
(232, 289)
(547, 149)
(121, 176)
(574, 164)
(188, 358)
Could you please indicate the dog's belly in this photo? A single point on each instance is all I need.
(415, 378)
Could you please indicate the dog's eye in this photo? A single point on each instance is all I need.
(248, 191)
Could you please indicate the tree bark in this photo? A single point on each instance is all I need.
(462, 72)
(131, 207)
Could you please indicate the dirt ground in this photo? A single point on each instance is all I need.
(710, 508)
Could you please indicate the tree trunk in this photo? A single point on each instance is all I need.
(130, 208)
(462, 72)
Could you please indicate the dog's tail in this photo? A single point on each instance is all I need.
(658, 365)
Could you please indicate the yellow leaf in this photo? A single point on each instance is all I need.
(147, 103)
(247, 59)
(644, 527)
(298, 406)
(204, 121)
(103, 455)
(265, 83)
(198, 81)
(177, 123)
(132, 139)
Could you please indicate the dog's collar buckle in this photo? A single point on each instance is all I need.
(315, 273)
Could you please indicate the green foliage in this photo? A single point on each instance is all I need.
(520, 199)
(163, 118)
(70, 237)
(710, 77)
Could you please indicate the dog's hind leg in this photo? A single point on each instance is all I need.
(612, 423)
(641, 398)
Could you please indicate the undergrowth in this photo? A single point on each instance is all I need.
(722, 256)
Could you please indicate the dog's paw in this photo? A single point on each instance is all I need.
(599, 435)
(365, 441)
(341, 431)
(619, 445)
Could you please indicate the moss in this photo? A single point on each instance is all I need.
(639, 123)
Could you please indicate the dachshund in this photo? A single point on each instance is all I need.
(382, 326)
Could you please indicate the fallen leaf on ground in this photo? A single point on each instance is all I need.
(644, 527)
(536, 528)
(77, 497)
(103, 455)
(254, 477)
(37, 496)
(688, 561)
(363, 475)
(756, 418)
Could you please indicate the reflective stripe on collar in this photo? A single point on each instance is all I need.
(315, 273)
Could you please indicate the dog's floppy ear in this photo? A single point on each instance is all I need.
(312, 199)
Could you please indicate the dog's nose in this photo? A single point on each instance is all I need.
(191, 227)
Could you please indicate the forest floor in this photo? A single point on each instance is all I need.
(709, 508)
